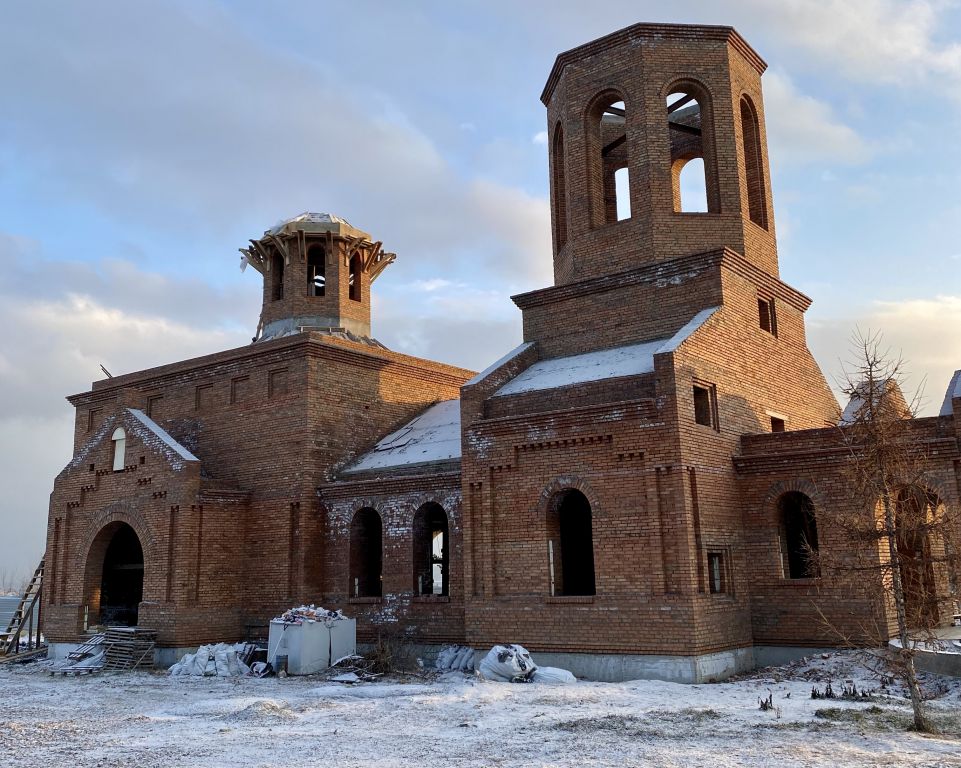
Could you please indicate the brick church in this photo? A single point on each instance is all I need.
(627, 493)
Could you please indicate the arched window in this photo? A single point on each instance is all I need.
(354, 288)
(316, 270)
(608, 175)
(366, 554)
(559, 178)
(692, 153)
(753, 163)
(915, 512)
(119, 439)
(276, 277)
(799, 536)
(431, 550)
(570, 544)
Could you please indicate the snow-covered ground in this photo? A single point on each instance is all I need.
(146, 719)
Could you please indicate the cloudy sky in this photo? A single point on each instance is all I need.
(142, 143)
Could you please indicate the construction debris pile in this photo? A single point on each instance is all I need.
(220, 660)
(513, 664)
(309, 614)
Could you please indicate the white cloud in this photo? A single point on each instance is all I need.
(803, 130)
(539, 138)
(923, 331)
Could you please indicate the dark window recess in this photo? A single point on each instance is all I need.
(799, 536)
(366, 554)
(570, 544)
(766, 316)
(705, 406)
(93, 418)
(715, 572)
(355, 284)
(276, 278)
(431, 550)
(153, 406)
(316, 270)
(777, 425)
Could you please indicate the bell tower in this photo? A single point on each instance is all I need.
(657, 150)
(317, 271)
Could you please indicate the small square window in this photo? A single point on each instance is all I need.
(766, 316)
(715, 572)
(705, 405)
(777, 425)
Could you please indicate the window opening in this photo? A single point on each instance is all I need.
(571, 544)
(119, 448)
(366, 554)
(316, 270)
(276, 277)
(608, 154)
(753, 163)
(715, 572)
(777, 425)
(915, 512)
(766, 316)
(431, 551)
(560, 187)
(799, 533)
(688, 169)
(354, 286)
(705, 405)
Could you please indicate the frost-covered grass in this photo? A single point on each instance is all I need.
(145, 720)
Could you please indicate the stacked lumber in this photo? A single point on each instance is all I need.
(129, 648)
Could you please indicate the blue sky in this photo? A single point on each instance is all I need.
(141, 144)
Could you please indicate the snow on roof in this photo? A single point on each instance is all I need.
(432, 436)
(954, 390)
(495, 365)
(166, 441)
(309, 217)
(631, 360)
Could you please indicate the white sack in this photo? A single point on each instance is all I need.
(552, 676)
(508, 664)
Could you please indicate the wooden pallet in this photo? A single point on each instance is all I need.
(128, 648)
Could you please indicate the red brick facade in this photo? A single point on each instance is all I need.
(615, 492)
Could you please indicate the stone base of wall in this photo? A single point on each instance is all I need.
(776, 655)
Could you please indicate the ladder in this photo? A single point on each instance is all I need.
(27, 613)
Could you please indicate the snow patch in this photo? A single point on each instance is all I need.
(432, 436)
(164, 436)
(503, 361)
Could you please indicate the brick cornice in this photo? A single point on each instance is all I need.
(652, 31)
(663, 271)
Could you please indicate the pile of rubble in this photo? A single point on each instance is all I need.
(513, 664)
(220, 660)
(309, 614)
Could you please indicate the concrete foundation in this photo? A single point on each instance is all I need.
(775, 655)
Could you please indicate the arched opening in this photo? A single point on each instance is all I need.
(753, 163)
(366, 554)
(354, 287)
(692, 152)
(114, 576)
(798, 536)
(914, 514)
(570, 544)
(119, 439)
(607, 154)
(559, 177)
(316, 270)
(431, 539)
(276, 277)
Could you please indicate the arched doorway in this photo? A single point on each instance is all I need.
(115, 570)
(570, 544)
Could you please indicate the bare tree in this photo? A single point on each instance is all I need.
(893, 533)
